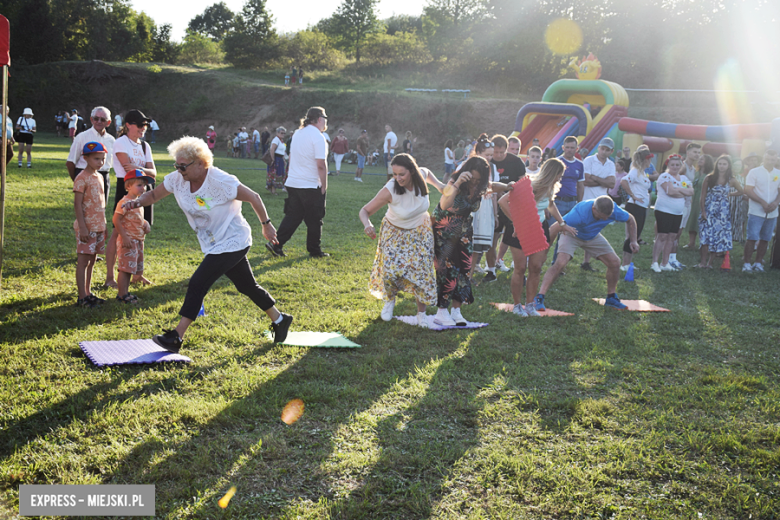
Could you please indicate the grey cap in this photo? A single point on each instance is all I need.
(608, 142)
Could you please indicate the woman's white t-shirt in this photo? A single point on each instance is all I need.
(281, 148)
(639, 183)
(134, 152)
(74, 119)
(26, 125)
(449, 157)
(213, 211)
(665, 203)
(406, 211)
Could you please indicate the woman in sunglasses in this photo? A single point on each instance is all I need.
(211, 200)
(130, 153)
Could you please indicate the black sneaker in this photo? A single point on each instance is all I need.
(585, 266)
(280, 329)
(169, 340)
(275, 249)
(321, 254)
(489, 277)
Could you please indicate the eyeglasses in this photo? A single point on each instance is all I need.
(101, 119)
(139, 125)
(183, 167)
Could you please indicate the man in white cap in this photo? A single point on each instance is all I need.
(599, 179)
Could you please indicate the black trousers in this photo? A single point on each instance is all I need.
(106, 183)
(236, 267)
(303, 205)
(639, 213)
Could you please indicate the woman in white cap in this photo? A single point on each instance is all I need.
(26, 127)
(211, 138)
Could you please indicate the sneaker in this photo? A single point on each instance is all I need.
(615, 303)
(655, 267)
(539, 302)
(280, 329)
(501, 267)
(422, 320)
(358, 179)
(758, 268)
(677, 265)
(458, 318)
(387, 311)
(585, 266)
(319, 254)
(443, 318)
(519, 310)
(530, 310)
(479, 269)
(489, 277)
(20, 164)
(169, 340)
(668, 267)
(747, 268)
(624, 268)
(29, 165)
(275, 249)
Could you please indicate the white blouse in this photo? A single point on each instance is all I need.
(406, 211)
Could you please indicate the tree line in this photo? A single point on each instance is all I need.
(653, 43)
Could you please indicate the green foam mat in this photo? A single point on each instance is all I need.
(316, 339)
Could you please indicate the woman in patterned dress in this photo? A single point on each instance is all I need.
(452, 229)
(715, 221)
(404, 253)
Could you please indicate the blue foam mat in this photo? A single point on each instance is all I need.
(128, 352)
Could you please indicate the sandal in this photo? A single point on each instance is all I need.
(94, 299)
(128, 298)
(85, 302)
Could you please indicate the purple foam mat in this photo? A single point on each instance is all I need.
(412, 320)
(128, 352)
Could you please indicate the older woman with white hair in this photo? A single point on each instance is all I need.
(211, 200)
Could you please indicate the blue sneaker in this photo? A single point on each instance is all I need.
(615, 303)
(539, 302)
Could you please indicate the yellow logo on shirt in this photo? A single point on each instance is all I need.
(775, 179)
(202, 202)
(684, 184)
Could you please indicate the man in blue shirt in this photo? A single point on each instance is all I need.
(589, 217)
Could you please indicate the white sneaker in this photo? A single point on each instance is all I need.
(501, 267)
(520, 311)
(443, 318)
(422, 320)
(758, 268)
(458, 318)
(358, 179)
(530, 310)
(668, 267)
(387, 311)
(747, 268)
(655, 267)
(624, 268)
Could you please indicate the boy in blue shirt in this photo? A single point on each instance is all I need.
(589, 218)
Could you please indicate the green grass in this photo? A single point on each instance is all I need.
(601, 415)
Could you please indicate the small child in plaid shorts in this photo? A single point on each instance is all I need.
(90, 224)
(132, 228)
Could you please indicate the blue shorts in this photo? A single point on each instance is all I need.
(759, 228)
(448, 168)
(361, 161)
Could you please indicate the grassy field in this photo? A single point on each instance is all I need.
(601, 415)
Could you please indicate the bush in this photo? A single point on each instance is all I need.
(197, 48)
(401, 48)
(311, 49)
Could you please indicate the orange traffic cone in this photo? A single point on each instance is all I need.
(726, 265)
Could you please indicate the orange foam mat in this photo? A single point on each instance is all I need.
(636, 305)
(508, 307)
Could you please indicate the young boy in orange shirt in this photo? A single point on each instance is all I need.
(90, 223)
(132, 227)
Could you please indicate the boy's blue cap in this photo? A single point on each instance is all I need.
(138, 174)
(93, 147)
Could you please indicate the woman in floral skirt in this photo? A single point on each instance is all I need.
(404, 254)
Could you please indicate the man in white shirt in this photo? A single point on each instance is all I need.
(307, 185)
(599, 178)
(256, 141)
(762, 186)
(242, 139)
(101, 118)
(389, 149)
(153, 127)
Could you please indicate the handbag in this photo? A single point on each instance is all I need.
(268, 158)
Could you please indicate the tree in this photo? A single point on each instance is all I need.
(448, 22)
(253, 41)
(215, 22)
(403, 23)
(311, 49)
(197, 48)
(165, 50)
(355, 20)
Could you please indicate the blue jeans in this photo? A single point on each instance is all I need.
(361, 161)
(564, 206)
